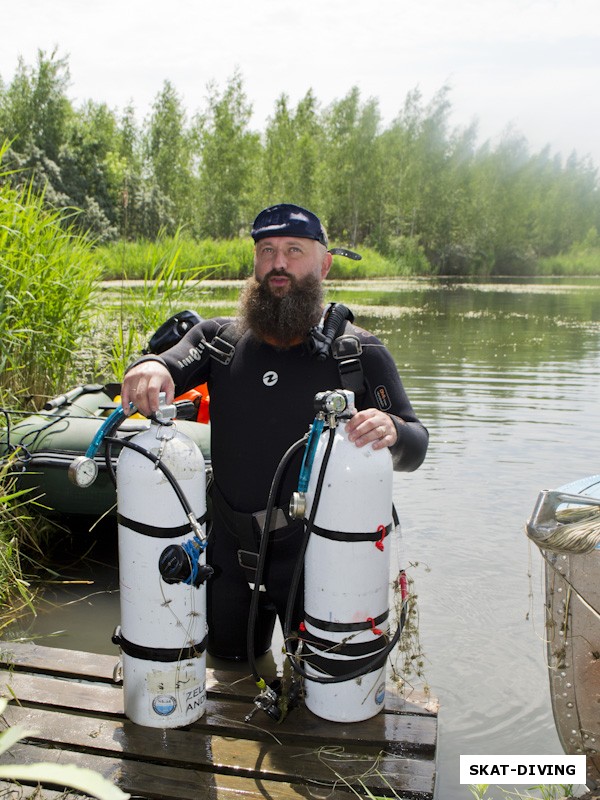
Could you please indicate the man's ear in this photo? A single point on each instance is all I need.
(326, 265)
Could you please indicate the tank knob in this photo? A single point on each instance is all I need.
(175, 566)
(298, 505)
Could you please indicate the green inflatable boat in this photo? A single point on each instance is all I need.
(45, 443)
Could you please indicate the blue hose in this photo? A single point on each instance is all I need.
(111, 423)
(309, 454)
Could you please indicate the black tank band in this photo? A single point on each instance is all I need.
(338, 667)
(163, 654)
(156, 532)
(344, 536)
(352, 649)
(342, 627)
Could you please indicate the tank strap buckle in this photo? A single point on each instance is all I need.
(248, 561)
(221, 350)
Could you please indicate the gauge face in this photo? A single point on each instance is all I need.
(83, 471)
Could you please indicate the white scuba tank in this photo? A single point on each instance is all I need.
(163, 626)
(346, 577)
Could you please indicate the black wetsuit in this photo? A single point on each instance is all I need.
(260, 404)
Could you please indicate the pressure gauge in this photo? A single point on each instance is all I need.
(83, 471)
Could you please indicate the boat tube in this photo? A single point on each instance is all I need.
(45, 444)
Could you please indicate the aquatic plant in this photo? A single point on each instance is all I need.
(47, 278)
(144, 305)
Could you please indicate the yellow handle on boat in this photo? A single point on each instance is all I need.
(137, 415)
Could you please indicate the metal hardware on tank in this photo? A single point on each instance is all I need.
(347, 573)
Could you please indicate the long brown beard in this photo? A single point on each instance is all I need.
(286, 319)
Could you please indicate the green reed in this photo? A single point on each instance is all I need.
(147, 300)
(47, 279)
(230, 259)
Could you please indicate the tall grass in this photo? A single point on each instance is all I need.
(17, 515)
(159, 291)
(230, 259)
(47, 278)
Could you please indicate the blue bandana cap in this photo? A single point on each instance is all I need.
(288, 220)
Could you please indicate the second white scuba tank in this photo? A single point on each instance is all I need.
(346, 570)
(163, 628)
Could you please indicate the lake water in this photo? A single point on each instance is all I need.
(505, 375)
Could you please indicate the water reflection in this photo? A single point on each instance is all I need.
(505, 377)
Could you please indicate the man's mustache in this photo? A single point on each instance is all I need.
(279, 273)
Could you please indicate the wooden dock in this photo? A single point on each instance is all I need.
(72, 702)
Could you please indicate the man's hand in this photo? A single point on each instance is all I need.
(372, 426)
(142, 385)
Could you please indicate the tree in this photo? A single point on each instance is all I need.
(352, 179)
(291, 161)
(229, 157)
(34, 109)
(169, 152)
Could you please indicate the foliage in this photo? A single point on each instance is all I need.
(233, 258)
(228, 153)
(47, 276)
(451, 205)
(145, 306)
(15, 516)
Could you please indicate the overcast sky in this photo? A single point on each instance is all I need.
(531, 65)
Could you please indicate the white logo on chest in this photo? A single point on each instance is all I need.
(270, 378)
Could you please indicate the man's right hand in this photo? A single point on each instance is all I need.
(142, 386)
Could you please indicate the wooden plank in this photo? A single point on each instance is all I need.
(57, 661)
(10, 791)
(62, 693)
(259, 760)
(70, 699)
(158, 782)
(401, 734)
(234, 681)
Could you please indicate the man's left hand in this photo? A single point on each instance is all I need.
(372, 426)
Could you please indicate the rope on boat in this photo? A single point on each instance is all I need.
(578, 531)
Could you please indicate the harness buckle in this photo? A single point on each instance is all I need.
(221, 350)
(346, 346)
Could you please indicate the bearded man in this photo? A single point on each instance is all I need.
(263, 375)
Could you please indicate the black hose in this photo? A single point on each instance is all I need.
(158, 463)
(262, 553)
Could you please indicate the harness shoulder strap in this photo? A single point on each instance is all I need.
(346, 350)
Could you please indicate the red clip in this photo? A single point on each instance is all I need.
(379, 544)
(302, 627)
(403, 581)
(375, 631)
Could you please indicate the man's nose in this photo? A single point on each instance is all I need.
(280, 260)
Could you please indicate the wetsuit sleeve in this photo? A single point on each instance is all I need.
(384, 390)
(187, 361)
